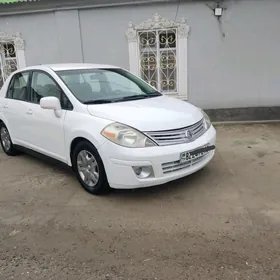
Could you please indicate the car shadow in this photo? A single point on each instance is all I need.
(177, 187)
(207, 178)
(46, 161)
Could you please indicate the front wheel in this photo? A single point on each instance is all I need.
(89, 168)
(6, 141)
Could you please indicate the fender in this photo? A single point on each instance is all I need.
(90, 131)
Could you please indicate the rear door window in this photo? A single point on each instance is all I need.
(18, 88)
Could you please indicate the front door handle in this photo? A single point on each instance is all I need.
(29, 112)
(6, 106)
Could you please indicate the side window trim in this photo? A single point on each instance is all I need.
(9, 87)
(29, 86)
(71, 107)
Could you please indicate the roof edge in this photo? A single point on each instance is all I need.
(43, 7)
(15, 1)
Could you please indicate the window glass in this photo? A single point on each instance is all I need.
(121, 83)
(106, 85)
(93, 82)
(18, 87)
(76, 80)
(43, 85)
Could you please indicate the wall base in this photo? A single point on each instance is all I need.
(244, 114)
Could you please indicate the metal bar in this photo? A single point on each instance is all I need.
(158, 61)
(2, 75)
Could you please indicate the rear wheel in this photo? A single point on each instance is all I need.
(89, 168)
(6, 141)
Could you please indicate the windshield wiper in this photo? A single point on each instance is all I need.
(133, 97)
(152, 94)
(98, 101)
(105, 101)
(125, 98)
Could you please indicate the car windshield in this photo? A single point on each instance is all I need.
(97, 86)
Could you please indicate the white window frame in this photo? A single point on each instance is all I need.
(155, 23)
(19, 49)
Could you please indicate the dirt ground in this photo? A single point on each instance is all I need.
(220, 223)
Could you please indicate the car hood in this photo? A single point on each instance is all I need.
(151, 114)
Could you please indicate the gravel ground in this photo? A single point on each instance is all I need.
(220, 223)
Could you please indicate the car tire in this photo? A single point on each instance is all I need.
(89, 168)
(6, 141)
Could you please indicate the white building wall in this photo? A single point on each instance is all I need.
(239, 69)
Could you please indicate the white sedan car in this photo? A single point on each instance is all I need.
(113, 128)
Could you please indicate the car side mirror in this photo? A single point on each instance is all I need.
(51, 103)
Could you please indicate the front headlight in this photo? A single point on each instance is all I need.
(206, 120)
(126, 136)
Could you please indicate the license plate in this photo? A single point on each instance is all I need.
(186, 156)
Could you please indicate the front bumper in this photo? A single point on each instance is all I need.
(118, 162)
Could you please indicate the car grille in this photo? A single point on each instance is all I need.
(177, 165)
(177, 136)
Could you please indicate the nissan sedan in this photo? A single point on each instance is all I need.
(110, 126)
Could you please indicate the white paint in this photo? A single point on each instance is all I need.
(46, 133)
(151, 114)
(133, 58)
(215, 77)
(51, 102)
(21, 59)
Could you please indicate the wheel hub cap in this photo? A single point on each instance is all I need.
(88, 168)
(5, 138)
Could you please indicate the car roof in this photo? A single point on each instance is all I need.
(69, 66)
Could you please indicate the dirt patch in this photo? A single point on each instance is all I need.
(220, 223)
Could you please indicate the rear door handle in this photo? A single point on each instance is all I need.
(6, 106)
(29, 112)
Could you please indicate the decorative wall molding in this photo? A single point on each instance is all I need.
(19, 46)
(159, 22)
(17, 39)
(131, 33)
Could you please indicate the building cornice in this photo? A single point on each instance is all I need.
(64, 5)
